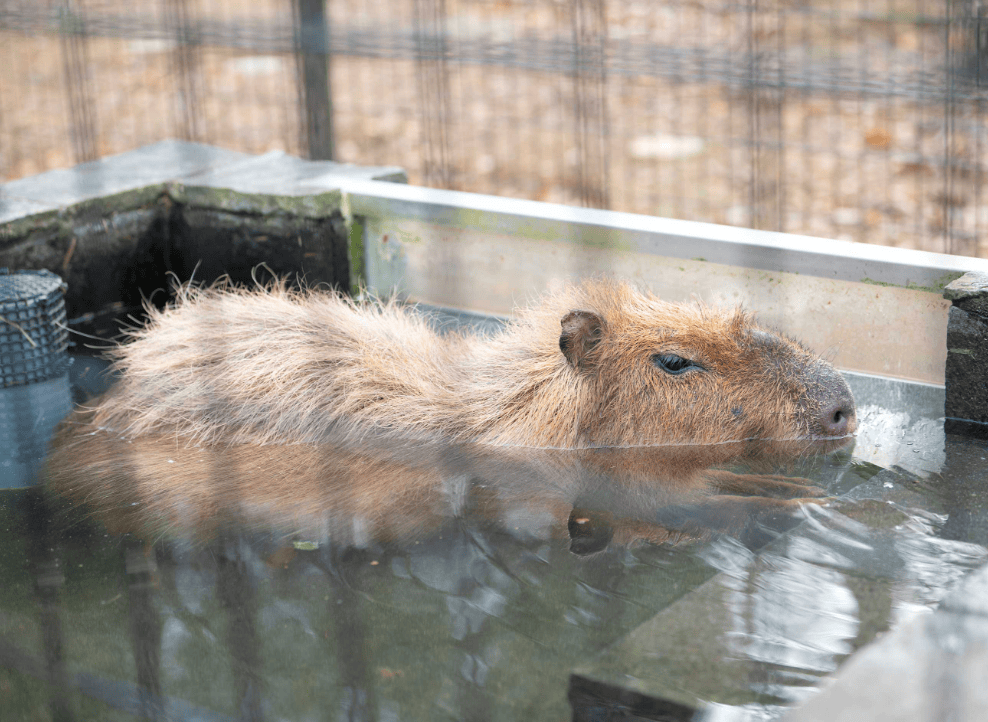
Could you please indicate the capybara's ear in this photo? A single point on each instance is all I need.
(582, 331)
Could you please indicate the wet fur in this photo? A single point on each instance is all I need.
(306, 411)
(282, 366)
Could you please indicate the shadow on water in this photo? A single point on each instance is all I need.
(386, 579)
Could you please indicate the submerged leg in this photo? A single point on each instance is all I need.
(772, 485)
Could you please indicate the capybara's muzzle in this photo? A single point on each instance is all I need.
(831, 404)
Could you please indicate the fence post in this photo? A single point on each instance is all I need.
(312, 53)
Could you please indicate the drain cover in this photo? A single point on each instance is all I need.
(33, 333)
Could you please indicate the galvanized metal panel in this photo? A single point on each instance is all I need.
(762, 250)
(870, 309)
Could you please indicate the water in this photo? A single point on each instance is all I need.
(466, 599)
(28, 414)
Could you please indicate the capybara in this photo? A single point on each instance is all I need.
(275, 390)
(599, 364)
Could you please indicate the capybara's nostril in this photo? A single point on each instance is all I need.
(838, 418)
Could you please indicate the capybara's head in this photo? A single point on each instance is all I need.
(648, 372)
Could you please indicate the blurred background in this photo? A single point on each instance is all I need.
(853, 119)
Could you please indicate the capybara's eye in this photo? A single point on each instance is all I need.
(672, 364)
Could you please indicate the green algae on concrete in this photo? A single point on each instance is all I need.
(48, 224)
(98, 245)
(318, 205)
(62, 222)
(358, 266)
(115, 228)
(936, 287)
(143, 197)
(20, 218)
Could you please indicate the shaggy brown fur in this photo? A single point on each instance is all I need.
(296, 409)
(278, 366)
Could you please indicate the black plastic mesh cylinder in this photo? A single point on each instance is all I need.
(33, 333)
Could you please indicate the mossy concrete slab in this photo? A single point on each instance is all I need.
(969, 292)
(14, 209)
(966, 373)
(210, 242)
(101, 225)
(106, 248)
(117, 228)
(277, 175)
(966, 369)
(267, 210)
(147, 166)
(312, 205)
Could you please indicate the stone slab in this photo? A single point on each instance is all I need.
(726, 644)
(966, 370)
(311, 244)
(278, 173)
(275, 183)
(194, 165)
(150, 165)
(13, 208)
(969, 292)
(933, 667)
(115, 228)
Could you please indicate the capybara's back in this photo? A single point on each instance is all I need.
(595, 364)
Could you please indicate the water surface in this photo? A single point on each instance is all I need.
(500, 587)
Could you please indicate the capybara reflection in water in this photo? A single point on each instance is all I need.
(598, 375)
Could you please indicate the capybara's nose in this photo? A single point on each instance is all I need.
(838, 418)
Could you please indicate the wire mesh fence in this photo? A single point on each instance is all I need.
(856, 119)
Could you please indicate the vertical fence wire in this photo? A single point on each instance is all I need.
(78, 83)
(433, 83)
(187, 69)
(590, 106)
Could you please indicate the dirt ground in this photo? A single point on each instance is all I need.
(843, 150)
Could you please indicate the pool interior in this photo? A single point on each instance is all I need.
(472, 616)
(483, 611)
